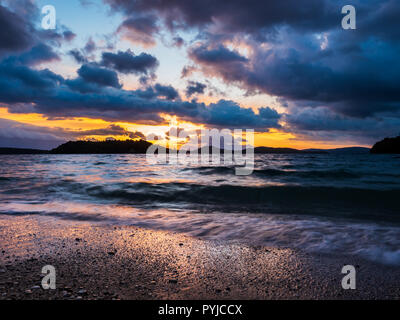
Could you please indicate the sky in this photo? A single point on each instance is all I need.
(125, 69)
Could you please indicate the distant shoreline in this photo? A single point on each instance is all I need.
(140, 147)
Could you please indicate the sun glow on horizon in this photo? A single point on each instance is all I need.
(274, 138)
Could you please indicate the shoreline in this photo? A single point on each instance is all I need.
(94, 261)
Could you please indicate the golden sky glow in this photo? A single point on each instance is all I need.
(274, 138)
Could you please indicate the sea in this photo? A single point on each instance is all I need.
(324, 203)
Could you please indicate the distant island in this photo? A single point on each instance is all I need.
(141, 146)
(102, 147)
(21, 151)
(387, 146)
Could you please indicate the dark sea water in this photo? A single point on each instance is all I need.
(345, 204)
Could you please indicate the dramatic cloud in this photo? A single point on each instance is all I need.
(328, 80)
(322, 121)
(99, 75)
(296, 52)
(15, 32)
(168, 92)
(78, 56)
(38, 54)
(251, 16)
(18, 32)
(229, 114)
(140, 30)
(96, 93)
(19, 84)
(195, 87)
(218, 55)
(69, 35)
(128, 62)
(291, 74)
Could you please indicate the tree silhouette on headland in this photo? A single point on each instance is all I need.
(102, 147)
(387, 145)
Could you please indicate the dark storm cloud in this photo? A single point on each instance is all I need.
(229, 114)
(357, 89)
(128, 62)
(145, 24)
(158, 91)
(252, 16)
(69, 35)
(78, 56)
(140, 29)
(15, 32)
(217, 55)
(195, 87)
(22, 84)
(168, 92)
(38, 54)
(323, 119)
(298, 52)
(332, 80)
(96, 93)
(310, 122)
(82, 86)
(18, 33)
(101, 76)
(339, 69)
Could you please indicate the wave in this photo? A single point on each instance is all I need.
(343, 204)
(375, 242)
(312, 174)
(308, 174)
(347, 202)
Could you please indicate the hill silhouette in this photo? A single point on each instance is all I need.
(141, 146)
(21, 151)
(387, 145)
(102, 147)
